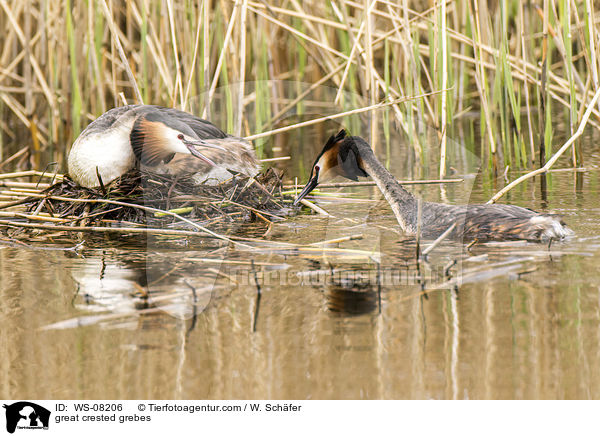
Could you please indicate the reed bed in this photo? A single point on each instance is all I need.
(511, 70)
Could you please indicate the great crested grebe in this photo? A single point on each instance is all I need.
(159, 139)
(352, 157)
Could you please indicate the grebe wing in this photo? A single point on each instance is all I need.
(492, 222)
(108, 119)
(204, 129)
(507, 221)
(239, 156)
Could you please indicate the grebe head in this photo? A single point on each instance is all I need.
(339, 157)
(156, 137)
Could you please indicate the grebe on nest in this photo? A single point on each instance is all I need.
(161, 140)
(352, 157)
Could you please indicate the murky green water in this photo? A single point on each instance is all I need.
(129, 319)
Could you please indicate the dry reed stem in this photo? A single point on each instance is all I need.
(137, 206)
(300, 14)
(355, 47)
(237, 127)
(117, 41)
(34, 64)
(156, 51)
(24, 185)
(97, 229)
(402, 182)
(528, 109)
(443, 108)
(316, 42)
(338, 115)
(314, 207)
(217, 73)
(188, 86)
(439, 239)
(338, 240)
(556, 155)
(29, 173)
(178, 80)
(480, 78)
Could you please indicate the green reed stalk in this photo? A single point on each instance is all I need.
(515, 119)
(262, 104)
(302, 61)
(76, 102)
(565, 15)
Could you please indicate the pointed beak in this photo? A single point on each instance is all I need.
(191, 146)
(312, 184)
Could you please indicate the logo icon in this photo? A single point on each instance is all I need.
(26, 415)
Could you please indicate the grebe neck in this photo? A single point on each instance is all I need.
(403, 203)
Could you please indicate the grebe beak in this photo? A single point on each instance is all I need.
(191, 146)
(312, 184)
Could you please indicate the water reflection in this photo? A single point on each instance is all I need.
(504, 335)
(353, 299)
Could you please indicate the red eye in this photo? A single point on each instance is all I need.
(180, 136)
(317, 168)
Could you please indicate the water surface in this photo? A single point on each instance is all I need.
(121, 318)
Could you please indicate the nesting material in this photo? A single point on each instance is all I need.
(152, 200)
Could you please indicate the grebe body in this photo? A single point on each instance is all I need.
(352, 157)
(158, 139)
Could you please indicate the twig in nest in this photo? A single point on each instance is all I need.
(102, 188)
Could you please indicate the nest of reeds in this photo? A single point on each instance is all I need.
(139, 197)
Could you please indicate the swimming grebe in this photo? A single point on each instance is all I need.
(352, 157)
(159, 139)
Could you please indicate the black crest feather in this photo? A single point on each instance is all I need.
(333, 139)
(348, 157)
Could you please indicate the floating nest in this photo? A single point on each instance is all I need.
(141, 203)
(139, 197)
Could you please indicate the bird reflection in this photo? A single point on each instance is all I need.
(352, 298)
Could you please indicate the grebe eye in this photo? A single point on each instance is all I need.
(317, 168)
(180, 136)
